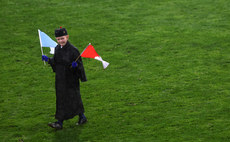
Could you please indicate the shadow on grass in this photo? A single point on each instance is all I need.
(69, 134)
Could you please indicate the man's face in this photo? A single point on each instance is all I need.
(62, 40)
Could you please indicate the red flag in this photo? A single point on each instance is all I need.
(90, 52)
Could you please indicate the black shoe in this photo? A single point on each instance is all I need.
(82, 121)
(55, 125)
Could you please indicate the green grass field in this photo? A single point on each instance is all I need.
(168, 78)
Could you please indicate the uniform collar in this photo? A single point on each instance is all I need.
(66, 45)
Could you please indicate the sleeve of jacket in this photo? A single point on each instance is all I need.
(80, 68)
(52, 61)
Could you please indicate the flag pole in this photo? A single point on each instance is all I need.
(41, 44)
(82, 52)
(77, 58)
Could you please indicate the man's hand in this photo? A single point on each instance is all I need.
(74, 64)
(45, 58)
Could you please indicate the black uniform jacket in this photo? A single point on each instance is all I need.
(68, 97)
